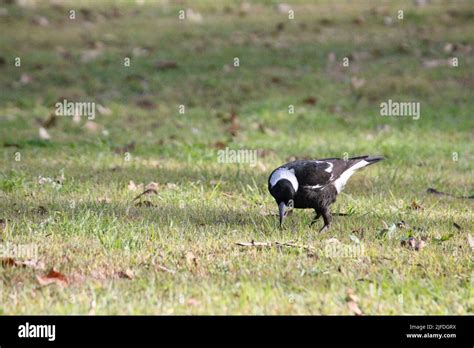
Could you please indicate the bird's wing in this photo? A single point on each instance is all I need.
(311, 173)
(320, 173)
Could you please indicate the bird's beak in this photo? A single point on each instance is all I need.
(282, 209)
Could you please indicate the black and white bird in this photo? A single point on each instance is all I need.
(314, 184)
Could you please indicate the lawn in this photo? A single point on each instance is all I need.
(234, 75)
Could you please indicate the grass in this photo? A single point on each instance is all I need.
(179, 256)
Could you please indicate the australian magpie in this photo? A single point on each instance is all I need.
(313, 184)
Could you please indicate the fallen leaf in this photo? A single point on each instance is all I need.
(310, 100)
(53, 277)
(413, 243)
(126, 148)
(166, 65)
(275, 79)
(8, 262)
(219, 145)
(359, 20)
(146, 104)
(415, 206)
(34, 264)
(127, 274)
(191, 259)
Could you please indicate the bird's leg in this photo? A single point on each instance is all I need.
(318, 215)
(327, 220)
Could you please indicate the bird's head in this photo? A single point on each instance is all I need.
(284, 194)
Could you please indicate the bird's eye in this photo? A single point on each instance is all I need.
(291, 204)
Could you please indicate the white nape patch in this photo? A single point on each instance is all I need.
(329, 169)
(284, 173)
(340, 182)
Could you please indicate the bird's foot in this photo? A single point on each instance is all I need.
(324, 229)
(315, 219)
